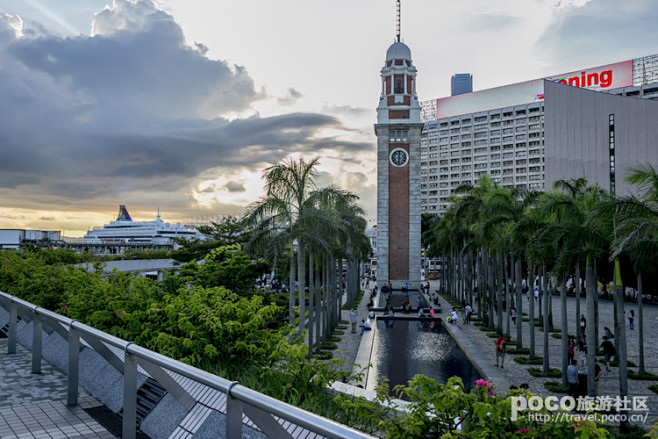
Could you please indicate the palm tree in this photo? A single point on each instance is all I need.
(636, 233)
(293, 208)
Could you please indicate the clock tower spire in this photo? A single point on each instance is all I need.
(398, 131)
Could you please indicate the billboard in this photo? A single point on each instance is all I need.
(606, 77)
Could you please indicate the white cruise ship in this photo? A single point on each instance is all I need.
(126, 232)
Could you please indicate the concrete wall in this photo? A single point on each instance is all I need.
(577, 132)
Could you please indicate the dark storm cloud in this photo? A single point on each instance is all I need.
(133, 108)
(234, 186)
(580, 34)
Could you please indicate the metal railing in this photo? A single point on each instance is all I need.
(240, 401)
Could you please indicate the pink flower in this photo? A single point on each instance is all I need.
(492, 393)
(123, 312)
(483, 383)
(524, 430)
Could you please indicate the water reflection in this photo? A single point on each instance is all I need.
(404, 348)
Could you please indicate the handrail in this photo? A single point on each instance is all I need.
(259, 408)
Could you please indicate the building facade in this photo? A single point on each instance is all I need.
(398, 131)
(461, 83)
(501, 131)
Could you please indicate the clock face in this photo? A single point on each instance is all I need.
(399, 157)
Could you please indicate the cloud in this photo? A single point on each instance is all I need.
(290, 99)
(234, 186)
(578, 37)
(133, 114)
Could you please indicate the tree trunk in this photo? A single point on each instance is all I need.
(311, 305)
(531, 315)
(640, 324)
(318, 303)
(549, 296)
(490, 291)
(291, 288)
(518, 268)
(508, 296)
(620, 331)
(578, 293)
(540, 288)
(546, 363)
(590, 279)
(564, 330)
(499, 291)
(301, 264)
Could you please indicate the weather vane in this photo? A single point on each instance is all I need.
(397, 20)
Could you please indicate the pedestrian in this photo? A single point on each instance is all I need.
(582, 347)
(365, 326)
(631, 316)
(513, 311)
(571, 349)
(597, 374)
(608, 351)
(432, 312)
(536, 294)
(583, 323)
(469, 313)
(353, 320)
(572, 379)
(500, 350)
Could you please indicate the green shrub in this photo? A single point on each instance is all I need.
(645, 376)
(521, 351)
(555, 387)
(536, 372)
(527, 360)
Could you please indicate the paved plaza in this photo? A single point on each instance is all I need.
(34, 405)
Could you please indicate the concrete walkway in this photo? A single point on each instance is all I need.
(34, 405)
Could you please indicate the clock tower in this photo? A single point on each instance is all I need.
(398, 170)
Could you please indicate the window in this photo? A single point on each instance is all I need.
(397, 136)
(398, 86)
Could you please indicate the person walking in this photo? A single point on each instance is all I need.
(572, 379)
(353, 320)
(608, 351)
(469, 312)
(583, 323)
(500, 350)
(631, 316)
(571, 350)
(513, 315)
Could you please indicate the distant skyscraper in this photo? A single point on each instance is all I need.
(461, 83)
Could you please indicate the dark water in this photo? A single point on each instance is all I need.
(412, 347)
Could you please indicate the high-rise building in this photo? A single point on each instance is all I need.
(501, 131)
(398, 131)
(461, 83)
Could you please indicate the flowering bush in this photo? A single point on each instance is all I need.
(450, 411)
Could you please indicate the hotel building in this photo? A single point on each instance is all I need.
(530, 134)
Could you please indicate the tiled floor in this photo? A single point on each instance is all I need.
(34, 405)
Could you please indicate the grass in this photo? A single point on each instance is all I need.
(653, 388)
(329, 346)
(645, 376)
(559, 336)
(520, 351)
(537, 373)
(527, 360)
(555, 387)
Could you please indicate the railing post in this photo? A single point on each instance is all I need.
(233, 415)
(73, 366)
(37, 336)
(129, 397)
(13, 322)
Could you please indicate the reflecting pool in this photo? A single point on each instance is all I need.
(404, 348)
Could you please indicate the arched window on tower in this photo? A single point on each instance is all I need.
(398, 86)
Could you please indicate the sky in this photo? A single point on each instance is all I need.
(181, 104)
